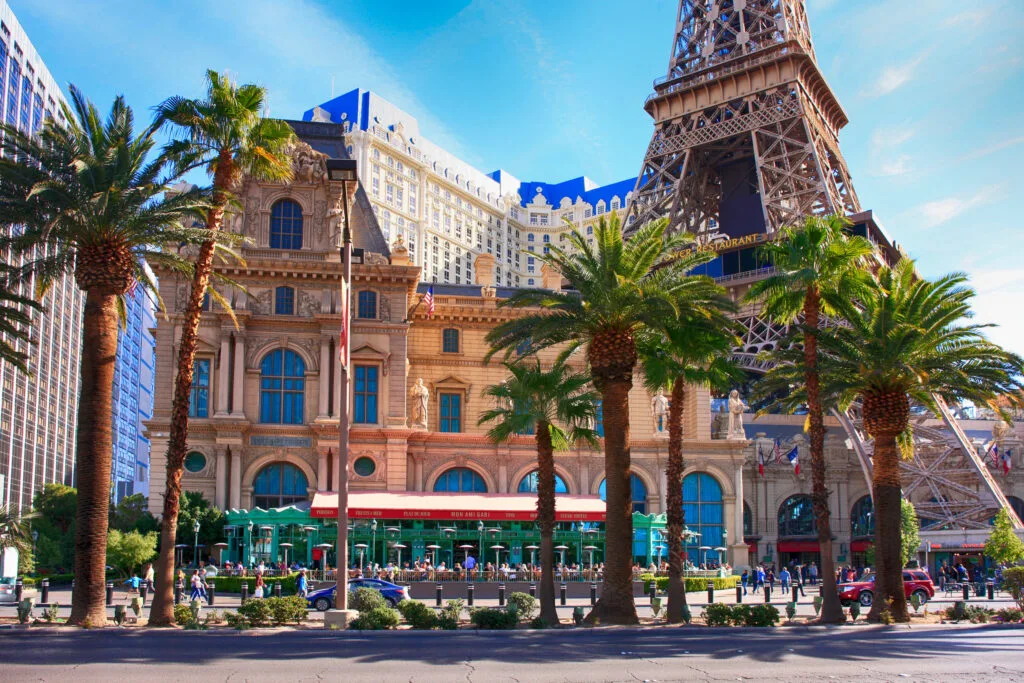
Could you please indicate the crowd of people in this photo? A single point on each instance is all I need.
(765, 576)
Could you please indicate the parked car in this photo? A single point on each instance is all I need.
(323, 599)
(914, 582)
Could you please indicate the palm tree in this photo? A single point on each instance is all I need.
(687, 350)
(15, 531)
(904, 340)
(227, 134)
(816, 267)
(85, 198)
(15, 318)
(618, 287)
(537, 401)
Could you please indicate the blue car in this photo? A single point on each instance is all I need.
(323, 599)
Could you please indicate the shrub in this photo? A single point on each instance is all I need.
(976, 614)
(915, 601)
(418, 615)
(692, 585)
(213, 617)
(539, 623)
(740, 614)
(854, 610)
(236, 621)
(496, 619)
(817, 604)
(763, 615)
(718, 614)
(524, 603)
(790, 610)
(233, 584)
(366, 600)
(1013, 580)
(291, 609)
(256, 611)
(50, 613)
(377, 619)
(1010, 615)
(446, 622)
(687, 615)
(25, 610)
(182, 614)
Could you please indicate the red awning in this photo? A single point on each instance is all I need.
(454, 506)
(798, 547)
(859, 546)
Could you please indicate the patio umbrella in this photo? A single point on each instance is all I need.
(220, 545)
(466, 546)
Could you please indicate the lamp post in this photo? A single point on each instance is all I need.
(480, 530)
(195, 544)
(373, 540)
(343, 171)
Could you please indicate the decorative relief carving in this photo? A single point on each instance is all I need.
(252, 214)
(379, 473)
(309, 304)
(181, 297)
(312, 349)
(262, 303)
(254, 348)
(372, 258)
(320, 220)
(385, 309)
(308, 164)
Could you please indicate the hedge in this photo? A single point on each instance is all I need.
(693, 584)
(233, 584)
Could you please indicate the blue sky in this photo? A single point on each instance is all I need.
(553, 90)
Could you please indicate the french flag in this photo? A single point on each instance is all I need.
(760, 461)
(1007, 461)
(794, 459)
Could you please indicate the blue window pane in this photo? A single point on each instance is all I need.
(704, 513)
(451, 416)
(278, 485)
(450, 341)
(637, 493)
(282, 388)
(599, 418)
(365, 394)
(460, 480)
(199, 395)
(529, 484)
(367, 305)
(284, 301)
(286, 225)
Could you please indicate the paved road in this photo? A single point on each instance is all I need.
(857, 653)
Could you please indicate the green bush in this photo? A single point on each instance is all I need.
(451, 615)
(763, 615)
(50, 613)
(183, 614)
(854, 610)
(740, 615)
(377, 619)
(790, 610)
(366, 600)
(524, 603)
(718, 614)
(236, 621)
(256, 611)
(539, 623)
(976, 614)
(494, 619)
(233, 584)
(692, 584)
(1013, 581)
(1010, 615)
(289, 610)
(419, 616)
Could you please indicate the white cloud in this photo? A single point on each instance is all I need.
(970, 19)
(943, 210)
(894, 77)
(999, 294)
(885, 141)
(894, 167)
(992, 149)
(886, 137)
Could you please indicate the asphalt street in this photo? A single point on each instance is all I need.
(851, 653)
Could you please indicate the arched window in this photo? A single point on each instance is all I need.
(637, 493)
(367, 305)
(615, 204)
(278, 485)
(704, 514)
(796, 517)
(284, 301)
(862, 518)
(748, 520)
(529, 237)
(286, 225)
(282, 383)
(450, 340)
(460, 480)
(528, 484)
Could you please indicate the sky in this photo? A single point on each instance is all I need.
(553, 90)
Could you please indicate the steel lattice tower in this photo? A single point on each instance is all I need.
(746, 135)
(746, 141)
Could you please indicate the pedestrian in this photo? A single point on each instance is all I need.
(198, 591)
(744, 578)
(784, 579)
(770, 578)
(759, 581)
(813, 572)
(149, 577)
(260, 586)
(301, 585)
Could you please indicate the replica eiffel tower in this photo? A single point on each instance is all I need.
(746, 141)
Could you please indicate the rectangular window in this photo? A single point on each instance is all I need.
(451, 413)
(199, 395)
(599, 418)
(366, 394)
(284, 303)
(450, 337)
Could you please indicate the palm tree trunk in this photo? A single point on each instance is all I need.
(616, 605)
(162, 611)
(831, 609)
(546, 521)
(93, 457)
(885, 417)
(674, 500)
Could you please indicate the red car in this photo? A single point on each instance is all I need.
(914, 582)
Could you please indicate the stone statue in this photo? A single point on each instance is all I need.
(1000, 430)
(659, 411)
(336, 221)
(308, 164)
(419, 396)
(736, 409)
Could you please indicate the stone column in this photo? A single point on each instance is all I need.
(325, 377)
(737, 523)
(503, 473)
(418, 473)
(238, 395)
(663, 490)
(235, 494)
(220, 493)
(335, 472)
(321, 469)
(697, 413)
(223, 374)
(336, 412)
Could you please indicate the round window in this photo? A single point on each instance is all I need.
(364, 466)
(195, 462)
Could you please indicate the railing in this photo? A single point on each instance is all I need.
(758, 272)
(566, 574)
(285, 254)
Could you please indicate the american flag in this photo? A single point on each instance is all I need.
(994, 454)
(428, 299)
(777, 452)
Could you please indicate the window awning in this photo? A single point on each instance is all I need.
(798, 547)
(454, 506)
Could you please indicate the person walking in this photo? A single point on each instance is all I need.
(260, 586)
(744, 577)
(149, 577)
(770, 578)
(301, 585)
(198, 591)
(813, 572)
(759, 578)
(784, 579)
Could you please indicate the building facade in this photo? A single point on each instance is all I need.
(133, 397)
(38, 412)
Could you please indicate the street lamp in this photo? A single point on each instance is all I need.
(195, 544)
(343, 171)
(373, 541)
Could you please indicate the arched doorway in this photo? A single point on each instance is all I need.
(637, 493)
(278, 485)
(705, 514)
(798, 532)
